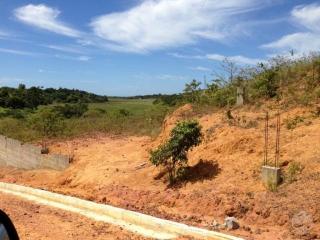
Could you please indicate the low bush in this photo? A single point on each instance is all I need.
(124, 112)
(293, 122)
(95, 113)
(294, 169)
(173, 153)
(71, 110)
(47, 122)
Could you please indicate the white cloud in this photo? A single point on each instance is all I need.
(78, 58)
(161, 24)
(84, 58)
(201, 69)
(218, 57)
(81, 58)
(238, 59)
(4, 34)
(300, 42)
(44, 17)
(69, 49)
(170, 77)
(17, 52)
(85, 42)
(178, 55)
(163, 77)
(307, 16)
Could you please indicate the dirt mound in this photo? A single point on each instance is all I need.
(225, 179)
(170, 121)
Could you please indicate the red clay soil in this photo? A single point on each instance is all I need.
(41, 222)
(225, 179)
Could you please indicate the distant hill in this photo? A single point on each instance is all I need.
(22, 97)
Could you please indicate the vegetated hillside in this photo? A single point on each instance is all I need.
(288, 80)
(224, 177)
(22, 97)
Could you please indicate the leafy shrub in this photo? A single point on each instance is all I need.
(294, 169)
(15, 102)
(271, 186)
(13, 113)
(182, 173)
(47, 122)
(305, 99)
(95, 113)
(173, 153)
(169, 100)
(292, 123)
(192, 91)
(124, 112)
(265, 84)
(225, 96)
(72, 110)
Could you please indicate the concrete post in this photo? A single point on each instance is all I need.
(271, 175)
(240, 96)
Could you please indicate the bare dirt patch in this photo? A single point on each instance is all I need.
(226, 179)
(34, 221)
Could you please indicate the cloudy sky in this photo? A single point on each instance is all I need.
(130, 47)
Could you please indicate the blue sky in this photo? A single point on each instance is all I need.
(131, 47)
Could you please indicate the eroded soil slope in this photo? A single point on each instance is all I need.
(224, 179)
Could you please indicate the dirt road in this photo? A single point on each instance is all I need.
(41, 222)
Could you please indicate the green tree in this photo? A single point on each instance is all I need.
(15, 102)
(34, 97)
(47, 122)
(173, 153)
(192, 91)
(266, 83)
(72, 110)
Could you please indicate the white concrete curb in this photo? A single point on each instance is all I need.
(138, 223)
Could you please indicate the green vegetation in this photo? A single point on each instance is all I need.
(173, 154)
(118, 116)
(169, 100)
(22, 97)
(287, 80)
(47, 122)
(294, 169)
(71, 110)
(293, 122)
(271, 186)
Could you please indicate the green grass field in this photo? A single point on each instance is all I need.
(118, 116)
(135, 106)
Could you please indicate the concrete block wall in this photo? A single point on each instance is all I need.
(26, 156)
(54, 161)
(3, 151)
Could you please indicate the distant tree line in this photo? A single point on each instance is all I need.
(22, 97)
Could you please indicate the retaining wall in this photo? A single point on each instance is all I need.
(26, 156)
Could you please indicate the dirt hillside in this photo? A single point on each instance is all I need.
(225, 179)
